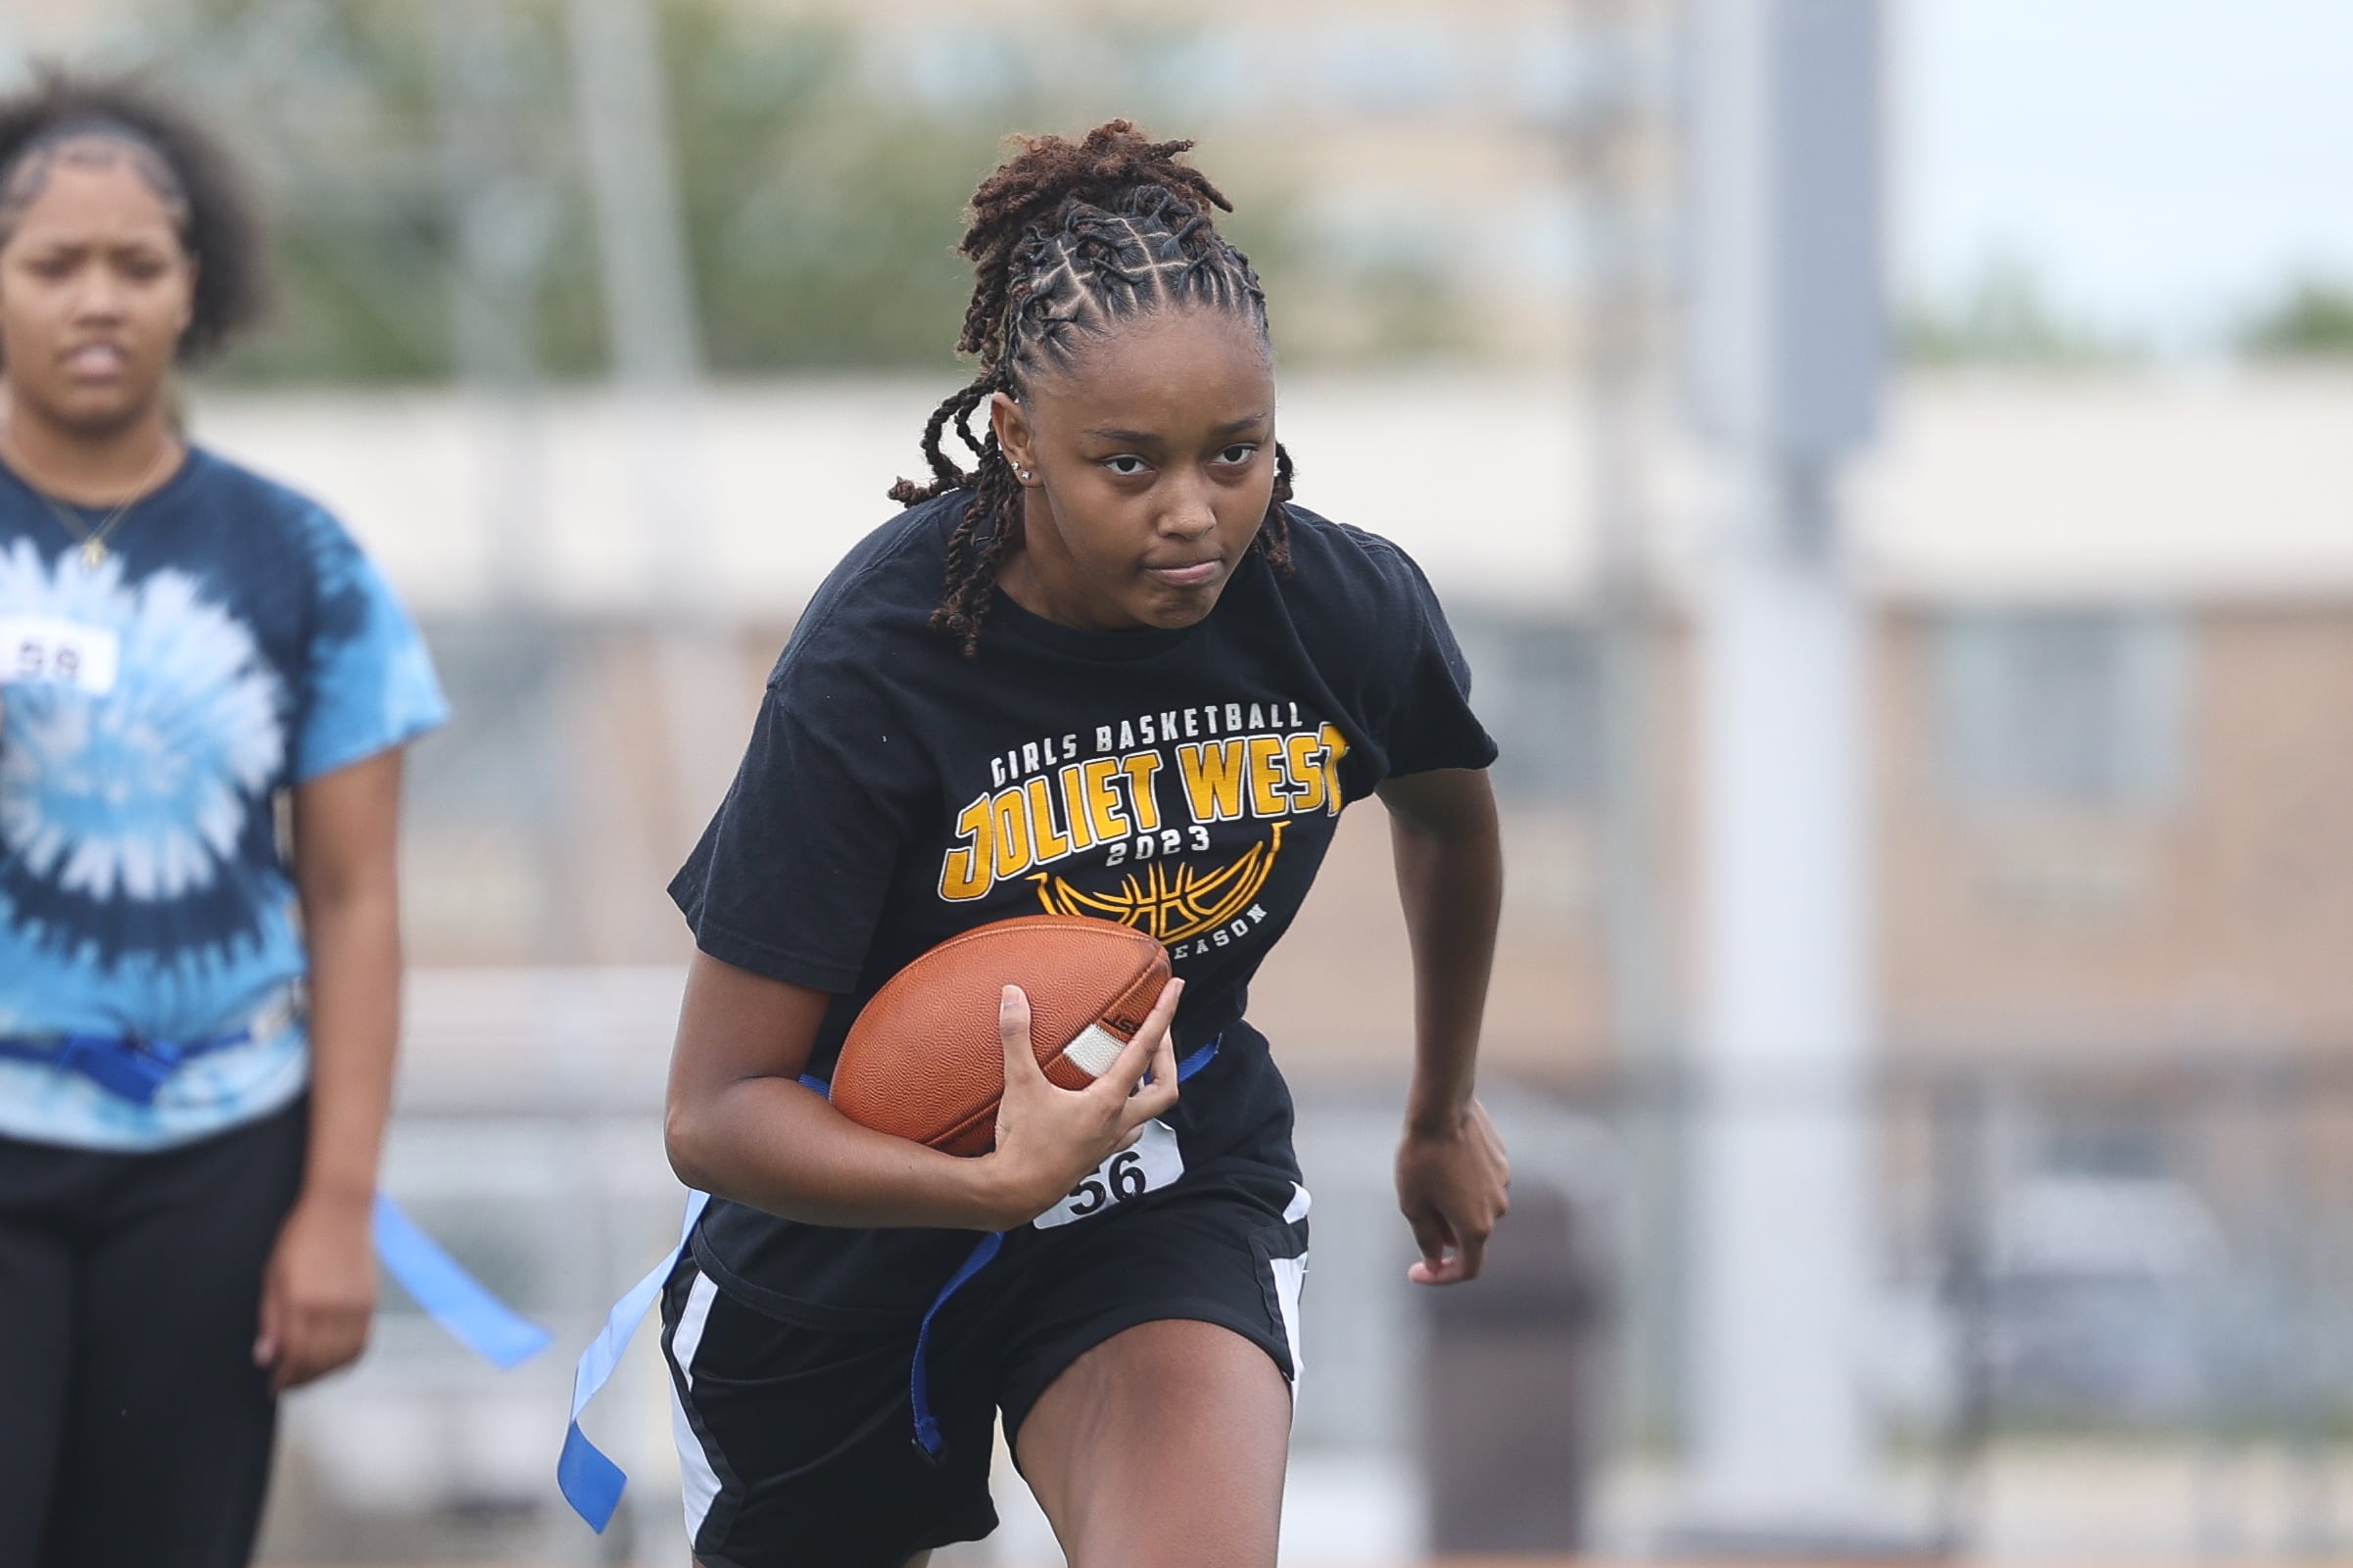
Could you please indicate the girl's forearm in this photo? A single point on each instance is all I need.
(1449, 858)
(354, 947)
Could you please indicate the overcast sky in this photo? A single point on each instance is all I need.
(2160, 164)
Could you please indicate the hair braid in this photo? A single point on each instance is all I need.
(1067, 240)
(1274, 534)
(985, 536)
(956, 410)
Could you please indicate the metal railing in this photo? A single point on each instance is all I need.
(2106, 1316)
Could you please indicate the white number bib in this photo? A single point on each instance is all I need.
(50, 650)
(1151, 1162)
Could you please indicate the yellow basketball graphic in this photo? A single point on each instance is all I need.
(1172, 899)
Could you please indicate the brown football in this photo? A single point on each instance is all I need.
(923, 1060)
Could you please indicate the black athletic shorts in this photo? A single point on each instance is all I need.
(134, 1427)
(796, 1423)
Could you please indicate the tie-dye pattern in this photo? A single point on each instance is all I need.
(141, 887)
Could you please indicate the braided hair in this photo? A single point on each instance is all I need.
(1067, 239)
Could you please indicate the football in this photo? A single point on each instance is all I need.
(924, 1060)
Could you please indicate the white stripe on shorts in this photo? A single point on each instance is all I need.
(697, 1481)
(1290, 1275)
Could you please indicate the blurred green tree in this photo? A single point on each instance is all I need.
(821, 220)
(2005, 315)
(2312, 318)
(426, 187)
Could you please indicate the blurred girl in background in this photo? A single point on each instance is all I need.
(193, 1080)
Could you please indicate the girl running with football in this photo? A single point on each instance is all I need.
(1111, 670)
(193, 1082)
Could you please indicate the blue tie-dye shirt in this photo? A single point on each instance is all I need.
(233, 644)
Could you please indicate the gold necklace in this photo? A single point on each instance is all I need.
(93, 540)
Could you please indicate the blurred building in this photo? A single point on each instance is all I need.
(1428, 154)
(2114, 629)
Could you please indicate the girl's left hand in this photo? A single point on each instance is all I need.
(319, 1292)
(1453, 1184)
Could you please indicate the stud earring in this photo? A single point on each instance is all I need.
(1024, 474)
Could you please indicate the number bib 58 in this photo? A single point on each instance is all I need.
(1148, 1164)
(50, 650)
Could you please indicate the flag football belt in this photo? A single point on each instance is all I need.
(587, 1476)
(137, 1067)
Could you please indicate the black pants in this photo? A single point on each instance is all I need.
(134, 1428)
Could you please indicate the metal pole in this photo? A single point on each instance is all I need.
(1965, 1188)
(499, 214)
(649, 310)
(1781, 1167)
(1785, 326)
(625, 130)
(1643, 1027)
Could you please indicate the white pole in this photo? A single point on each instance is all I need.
(640, 241)
(1786, 332)
(649, 311)
(498, 211)
(1781, 1167)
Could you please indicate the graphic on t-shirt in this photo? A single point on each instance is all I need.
(160, 705)
(1176, 902)
(1117, 821)
(140, 799)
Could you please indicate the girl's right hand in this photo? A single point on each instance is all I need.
(1048, 1137)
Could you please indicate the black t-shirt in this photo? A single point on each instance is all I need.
(1186, 782)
